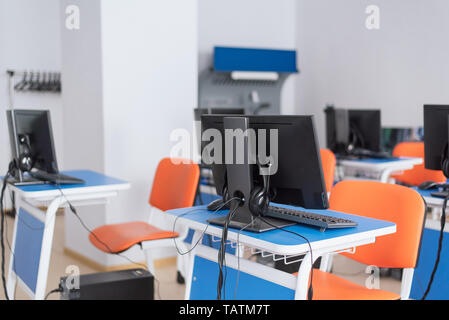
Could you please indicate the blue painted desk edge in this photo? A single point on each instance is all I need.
(279, 237)
(91, 178)
(375, 160)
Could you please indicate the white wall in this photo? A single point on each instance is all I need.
(82, 98)
(249, 23)
(397, 68)
(29, 40)
(130, 75)
(149, 89)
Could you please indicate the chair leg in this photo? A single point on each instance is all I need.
(182, 261)
(149, 260)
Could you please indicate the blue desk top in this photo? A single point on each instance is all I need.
(425, 193)
(279, 237)
(91, 178)
(374, 160)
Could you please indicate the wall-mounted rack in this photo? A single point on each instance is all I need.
(32, 81)
(38, 81)
(246, 78)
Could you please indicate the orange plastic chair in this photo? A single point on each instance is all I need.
(174, 186)
(419, 173)
(395, 203)
(328, 161)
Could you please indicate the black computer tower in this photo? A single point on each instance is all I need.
(133, 284)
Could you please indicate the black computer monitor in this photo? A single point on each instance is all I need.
(391, 136)
(337, 129)
(350, 130)
(36, 126)
(366, 129)
(436, 133)
(298, 180)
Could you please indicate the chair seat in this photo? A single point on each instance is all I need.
(327, 286)
(122, 236)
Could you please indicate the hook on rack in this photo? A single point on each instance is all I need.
(45, 81)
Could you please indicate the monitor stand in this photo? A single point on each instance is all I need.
(24, 180)
(240, 184)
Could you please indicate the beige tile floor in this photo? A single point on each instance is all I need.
(169, 289)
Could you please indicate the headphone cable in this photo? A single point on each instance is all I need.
(222, 253)
(440, 245)
(310, 290)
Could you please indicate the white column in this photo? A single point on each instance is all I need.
(133, 80)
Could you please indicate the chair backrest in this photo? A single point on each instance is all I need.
(390, 202)
(175, 184)
(328, 162)
(419, 173)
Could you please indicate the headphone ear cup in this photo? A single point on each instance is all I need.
(259, 201)
(445, 167)
(25, 162)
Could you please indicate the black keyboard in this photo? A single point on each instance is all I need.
(56, 178)
(309, 218)
(363, 153)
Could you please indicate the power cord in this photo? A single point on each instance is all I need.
(440, 246)
(73, 210)
(222, 252)
(10, 171)
(310, 290)
(204, 231)
(59, 289)
(2, 227)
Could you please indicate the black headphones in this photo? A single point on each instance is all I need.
(260, 197)
(25, 161)
(445, 161)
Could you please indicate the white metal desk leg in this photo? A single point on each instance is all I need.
(302, 282)
(326, 262)
(385, 175)
(12, 278)
(195, 239)
(47, 243)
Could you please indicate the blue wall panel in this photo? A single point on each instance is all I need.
(245, 59)
(440, 286)
(249, 287)
(28, 246)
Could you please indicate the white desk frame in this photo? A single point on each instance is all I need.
(298, 283)
(53, 199)
(381, 170)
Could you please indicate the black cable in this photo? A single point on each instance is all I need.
(73, 210)
(2, 227)
(310, 291)
(53, 291)
(204, 231)
(440, 246)
(222, 251)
